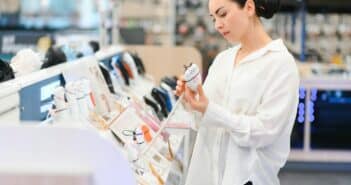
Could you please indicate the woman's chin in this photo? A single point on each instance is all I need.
(231, 40)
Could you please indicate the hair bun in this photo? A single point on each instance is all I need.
(267, 8)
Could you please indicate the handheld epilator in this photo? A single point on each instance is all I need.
(192, 76)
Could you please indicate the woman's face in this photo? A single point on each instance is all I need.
(229, 19)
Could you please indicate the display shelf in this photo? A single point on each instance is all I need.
(326, 6)
(325, 156)
(176, 141)
(316, 94)
(84, 68)
(327, 83)
(289, 5)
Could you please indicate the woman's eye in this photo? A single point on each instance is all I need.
(223, 14)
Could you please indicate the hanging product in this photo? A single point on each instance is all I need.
(25, 62)
(85, 98)
(166, 97)
(136, 135)
(139, 64)
(6, 72)
(170, 92)
(150, 101)
(54, 56)
(71, 90)
(172, 82)
(140, 135)
(127, 58)
(59, 111)
(106, 73)
(95, 46)
(117, 62)
(191, 74)
(146, 133)
(128, 69)
(117, 76)
(161, 100)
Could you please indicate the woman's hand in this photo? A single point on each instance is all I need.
(180, 87)
(197, 100)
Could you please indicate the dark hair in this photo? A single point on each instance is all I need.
(264, 8)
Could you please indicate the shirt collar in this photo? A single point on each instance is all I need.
(274, 46)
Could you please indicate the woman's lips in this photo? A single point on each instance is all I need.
(225, 33)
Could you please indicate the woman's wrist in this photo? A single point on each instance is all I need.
(204, 107)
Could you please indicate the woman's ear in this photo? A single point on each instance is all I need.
(250, 8)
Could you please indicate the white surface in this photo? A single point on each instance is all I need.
(62, 151)
(320, 156)
(9, 88)
(327, 83)
(9, 101)
(108, 52)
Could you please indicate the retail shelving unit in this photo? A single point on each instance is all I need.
(311, 151)
(315, 30)
(321, 26)
(155, 18)
(13, 101)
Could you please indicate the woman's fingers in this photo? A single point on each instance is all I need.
(180, 87)
(200, 90)
(199, 103)
(190, 97)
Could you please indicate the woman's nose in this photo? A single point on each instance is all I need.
(219, 25)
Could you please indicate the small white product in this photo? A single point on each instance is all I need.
(61, 113)
(139, 136)
(130, 61)
(169, 92)
(132, 152)
(82, 94)
(86, 87)
(192, 76)
(71, 94)
(59, 97)
(117, 73)
(26, 61)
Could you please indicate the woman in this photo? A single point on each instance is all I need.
(248, 102)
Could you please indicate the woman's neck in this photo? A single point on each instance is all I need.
(255, 38)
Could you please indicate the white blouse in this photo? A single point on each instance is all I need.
(244, 135)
